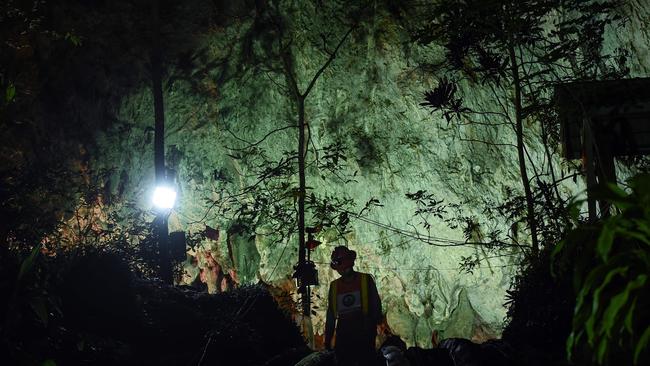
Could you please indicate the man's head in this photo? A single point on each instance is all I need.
(342, 259)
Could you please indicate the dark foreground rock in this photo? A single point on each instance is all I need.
(98, 313)
(451, 352)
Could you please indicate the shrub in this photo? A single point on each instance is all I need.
(611, 261)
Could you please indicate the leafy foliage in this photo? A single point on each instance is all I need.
(49, 122)
(477, 34)
(268, 205)
(488, 241)
(612, 263)
(89, 267)
(443, 98)
(517, 51)
(540, 308)
(275, 196)
(427, 207)
(95, 311)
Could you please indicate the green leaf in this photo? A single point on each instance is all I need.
(614, 194)
(590, 324)
(640, 184)
(636, 235)
(39, 307)
(629, 317)
(74, 39)
(10, 93)
(616, 191)
(641, 345)
(606, 237)
(588, 285)
(602, 350)
(591, 321)
(608, 278)
(555, 261)
(48, 363)
(618, 301)
(28, 263)
(570, 344)
(644, 228)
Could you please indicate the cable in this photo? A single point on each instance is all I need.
(431, 240)
(190, 220)
(418, 269)
(284, 248)
(239, 313)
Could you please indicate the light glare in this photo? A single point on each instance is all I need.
(164, 197)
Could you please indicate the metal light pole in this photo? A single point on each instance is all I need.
(161, 228)
(163, 199)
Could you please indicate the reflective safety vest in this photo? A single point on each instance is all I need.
(363, 292)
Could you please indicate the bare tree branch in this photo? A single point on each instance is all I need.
(328, 62)
(256, 143)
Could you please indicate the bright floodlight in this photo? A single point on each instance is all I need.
(164, 197)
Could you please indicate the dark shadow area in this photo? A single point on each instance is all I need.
(91, 310)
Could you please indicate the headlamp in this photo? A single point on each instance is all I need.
(336, 261)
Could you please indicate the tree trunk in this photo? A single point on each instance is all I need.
(530, 205)
(292, 83)
(302, 189)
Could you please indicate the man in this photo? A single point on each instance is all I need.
(354, 310)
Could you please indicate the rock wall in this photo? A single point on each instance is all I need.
(368, 100)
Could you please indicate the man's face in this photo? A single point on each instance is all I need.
(341, 261)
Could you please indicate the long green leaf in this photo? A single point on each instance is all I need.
(572, 343)
(39, 306)
(629, 317)
(608, 278)
(618, 301)
(612, 296)
(606, 237)
(617, 191)
(615, 195)
(559, 249)
(641, 345)
(644, 228)
(633, 234)
(10, 93)
(590, 324)
(602, 350)
(28, 263)
(640, 184)
(588, 285)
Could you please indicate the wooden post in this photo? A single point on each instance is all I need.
(605, 169)
(588, 163)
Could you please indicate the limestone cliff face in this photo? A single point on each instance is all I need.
(368, 100)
